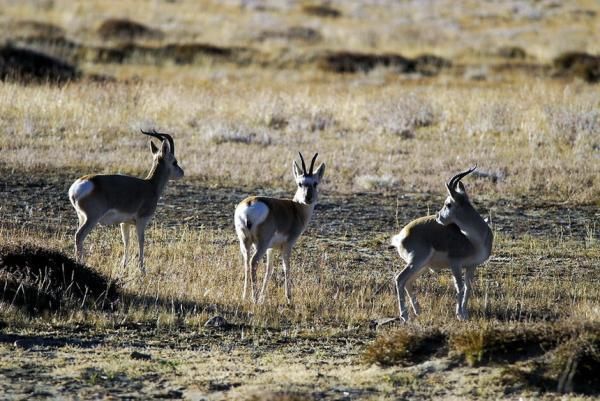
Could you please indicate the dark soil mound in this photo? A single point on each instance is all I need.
(350, 62)
(186, 53)
(28, 66)
(40, 279)
(321, 11)
(298, 33)
(512, 52)
(582, 65)
(124, 29)
(406, 347)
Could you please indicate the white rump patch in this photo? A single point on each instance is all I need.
(397, 239)
(80, 189)
(254, 214)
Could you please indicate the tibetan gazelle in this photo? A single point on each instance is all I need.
(457, 237)
(122, 199)
(266, 223)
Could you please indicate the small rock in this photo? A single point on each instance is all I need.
(140, 356)
(406, 133)
(216, 322)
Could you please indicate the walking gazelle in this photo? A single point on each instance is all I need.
(457, 237)
(112, 199)
(265, 223)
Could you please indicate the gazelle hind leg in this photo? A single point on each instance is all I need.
(412, 297)
(267, 278)
(245, 246)
(413, 268)
(82, 233)
(258, 255)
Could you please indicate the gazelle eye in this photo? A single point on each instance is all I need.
(299, 185)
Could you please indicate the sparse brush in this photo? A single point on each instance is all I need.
(243, 135)
(375, 182)
(405, 346)
(282, 396)
(575, 364)
(482, 345)
(571, 367)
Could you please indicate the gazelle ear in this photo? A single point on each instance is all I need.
(296, 169)
(460, 188)
(165, 148)
(153, 148)
(321, 171)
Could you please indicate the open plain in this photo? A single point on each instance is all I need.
(396, 97)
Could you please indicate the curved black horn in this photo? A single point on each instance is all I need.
(454, 180)
(312, 163)
(170, 139)
(303, 164)
(162, 137)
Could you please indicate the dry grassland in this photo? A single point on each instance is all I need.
(389, 140)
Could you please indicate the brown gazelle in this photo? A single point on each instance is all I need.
(457, 237)
(266, 223)
(112, 199)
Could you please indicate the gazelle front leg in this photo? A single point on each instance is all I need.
(267, 278)
(140, 226)
(469, 274)
(460, 291)
(286, 252)
(125, 235)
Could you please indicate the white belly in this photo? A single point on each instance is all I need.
(277, 240)
(114, 217)
(438, 261)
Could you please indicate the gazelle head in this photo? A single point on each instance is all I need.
(307, 181)
(164, 156)
(457, 207)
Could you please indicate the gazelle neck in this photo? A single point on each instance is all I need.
(306, 210)
(159, 176)
(477, 231)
